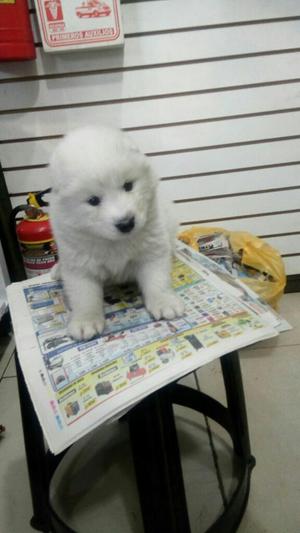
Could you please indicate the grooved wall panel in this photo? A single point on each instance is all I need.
(210, 92)
(146, 83)
(195, 45)
(153, 112)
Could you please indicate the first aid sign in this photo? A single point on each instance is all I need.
(75, 25)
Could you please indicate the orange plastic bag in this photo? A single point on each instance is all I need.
(255, 253)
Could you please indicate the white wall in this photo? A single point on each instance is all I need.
(209, 89)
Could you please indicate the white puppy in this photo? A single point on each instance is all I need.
(109, 226)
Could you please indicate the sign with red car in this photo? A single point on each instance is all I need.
(76, 25)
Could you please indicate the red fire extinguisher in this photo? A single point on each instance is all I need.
(35, 236)
(16, 39)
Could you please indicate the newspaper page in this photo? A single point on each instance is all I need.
(76, 386)
(236, 286)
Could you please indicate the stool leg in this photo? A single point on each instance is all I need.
(157, 464)
(35, 455)
(236, 403)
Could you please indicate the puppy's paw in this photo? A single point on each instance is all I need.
(83, 329)
(165, 305)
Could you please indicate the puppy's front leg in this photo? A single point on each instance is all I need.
(155, 283)
(86, 301)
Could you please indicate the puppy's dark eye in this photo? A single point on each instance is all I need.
(94, 200)
(128, 186)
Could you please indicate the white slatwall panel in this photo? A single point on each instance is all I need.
(202, 136)
(129, 84)
(211, 93)
(169, 48)
(151, 112)
(184, 188)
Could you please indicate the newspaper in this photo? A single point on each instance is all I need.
(237, 288)
(76, 386)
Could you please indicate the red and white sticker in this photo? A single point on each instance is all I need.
(76, 24)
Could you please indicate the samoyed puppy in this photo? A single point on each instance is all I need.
(110, 226)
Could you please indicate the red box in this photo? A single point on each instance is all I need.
(16, 40)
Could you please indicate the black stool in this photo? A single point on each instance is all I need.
(152, 430)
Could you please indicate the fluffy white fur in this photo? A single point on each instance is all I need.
(92, 250)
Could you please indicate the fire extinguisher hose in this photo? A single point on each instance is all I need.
(39, 197)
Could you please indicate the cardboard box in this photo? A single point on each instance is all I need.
(67, 25)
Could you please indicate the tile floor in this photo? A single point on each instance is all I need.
(96, 491)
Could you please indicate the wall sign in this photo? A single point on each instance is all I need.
(75, 24)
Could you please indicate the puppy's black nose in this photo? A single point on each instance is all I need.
(125, 225)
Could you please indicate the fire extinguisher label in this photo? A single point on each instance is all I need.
(72, 24)
(36, 267)
(38, 259)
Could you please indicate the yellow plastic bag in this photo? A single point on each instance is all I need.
(255, 253)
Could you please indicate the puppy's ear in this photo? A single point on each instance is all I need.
(147, 170)
(61, 163)
(128, 144)
(55, 172)
(138, 158)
